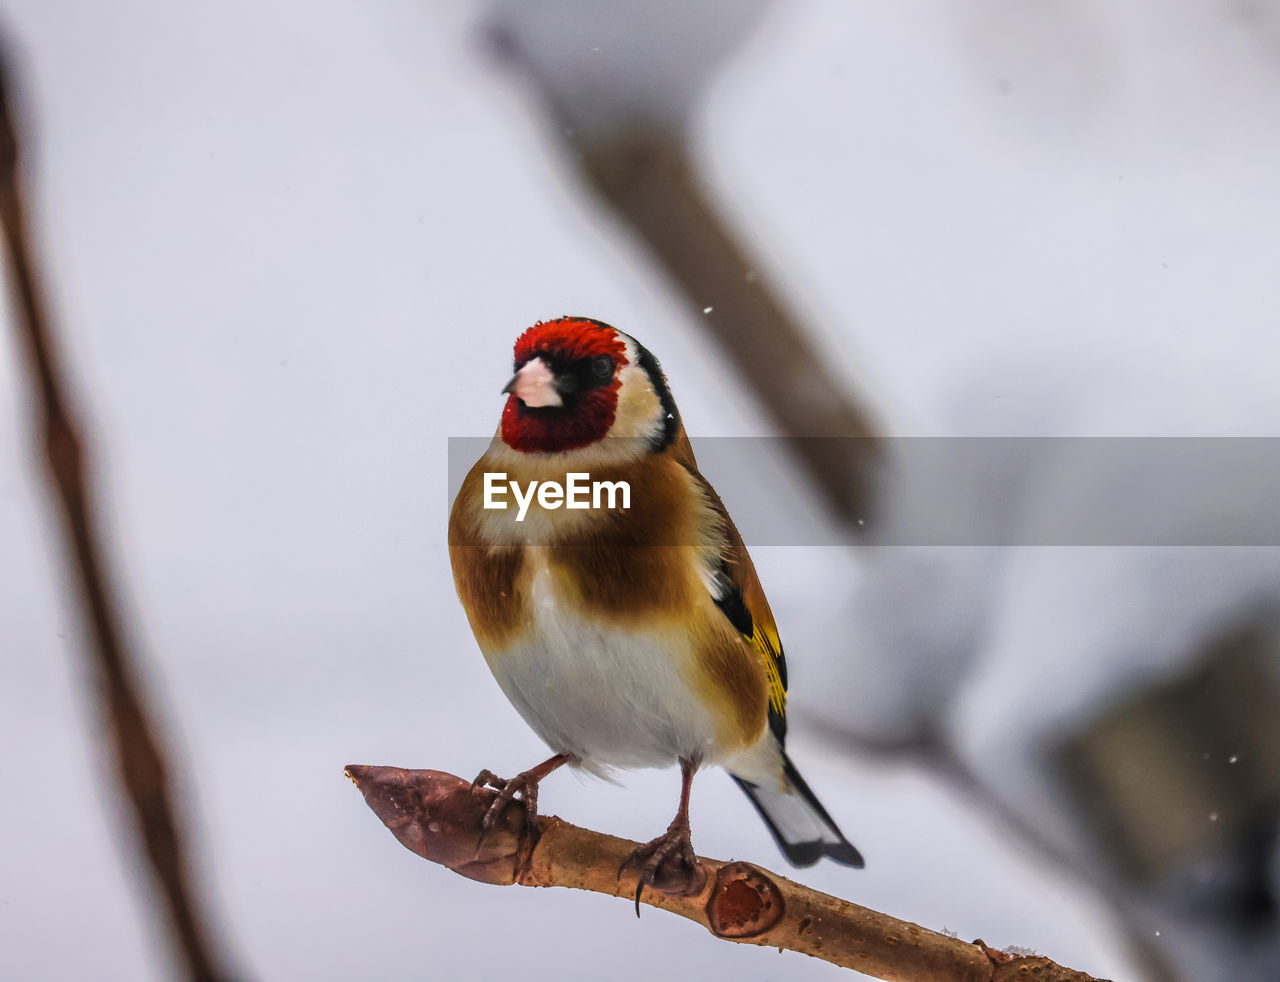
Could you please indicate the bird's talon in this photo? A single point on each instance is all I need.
(667, 864)
(522, 788)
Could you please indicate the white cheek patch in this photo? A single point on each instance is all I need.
(639, 415)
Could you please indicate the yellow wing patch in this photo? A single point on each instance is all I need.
(767, 644)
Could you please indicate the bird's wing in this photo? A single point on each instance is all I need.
(736, 590)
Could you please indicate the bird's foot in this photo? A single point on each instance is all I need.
(523, 788)
(668, 864)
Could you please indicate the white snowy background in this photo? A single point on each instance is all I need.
(291, 245)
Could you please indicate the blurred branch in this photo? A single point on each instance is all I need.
(438, 816)
(648, 178)
(141, 764)
(622, 120)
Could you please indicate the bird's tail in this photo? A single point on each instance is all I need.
(803, 829)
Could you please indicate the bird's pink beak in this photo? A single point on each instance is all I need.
(535, 385)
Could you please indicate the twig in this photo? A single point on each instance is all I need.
(438, 816)
(141, 764)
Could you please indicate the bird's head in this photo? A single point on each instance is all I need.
(579, 382)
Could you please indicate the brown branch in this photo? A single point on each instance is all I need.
(141, 764)
(648, 177)
(438, 816)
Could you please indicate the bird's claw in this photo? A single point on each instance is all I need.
(668, 864)
(522, 788)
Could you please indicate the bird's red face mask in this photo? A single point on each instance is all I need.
(564, 394)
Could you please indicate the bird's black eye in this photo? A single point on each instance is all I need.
(602, 366)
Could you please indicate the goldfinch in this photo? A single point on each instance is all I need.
(628, 630)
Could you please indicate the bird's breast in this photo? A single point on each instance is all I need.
(612, 695)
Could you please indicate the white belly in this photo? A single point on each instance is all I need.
(611, 698)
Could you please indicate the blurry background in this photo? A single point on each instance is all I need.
(290, 245)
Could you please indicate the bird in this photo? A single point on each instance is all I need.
(626, 637)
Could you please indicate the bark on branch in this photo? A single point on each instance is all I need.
(438, 816)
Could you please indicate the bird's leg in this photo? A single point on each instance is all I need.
(669, 862)
(524, 786)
